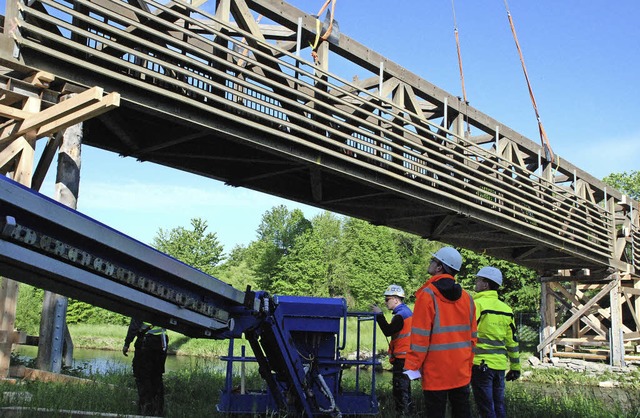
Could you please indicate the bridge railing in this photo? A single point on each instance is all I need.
(183, 53)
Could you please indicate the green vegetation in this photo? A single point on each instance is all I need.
(628, 183)
(194, 393)
(195, 247)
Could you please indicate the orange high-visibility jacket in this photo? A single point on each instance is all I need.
(443, 334)
(400, 342)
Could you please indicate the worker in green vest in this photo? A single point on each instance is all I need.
(148, 364)
(497, 348)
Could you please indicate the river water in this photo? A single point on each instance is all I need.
(103, 361)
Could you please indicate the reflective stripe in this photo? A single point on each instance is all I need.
(491, 342)
(450, 346)
(436, 307)
(453, 328)
(515, 360)
(472, 307)
(395, 337)
(514, 349)
(419, 348)
(420, 331)
(438, 329)
(480, 350)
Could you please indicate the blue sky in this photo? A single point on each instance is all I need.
(582, 57)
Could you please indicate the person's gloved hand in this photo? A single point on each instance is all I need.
(512, 375)
(125, 350)
(375, 309)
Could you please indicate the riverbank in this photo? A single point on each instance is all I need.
(111, 337)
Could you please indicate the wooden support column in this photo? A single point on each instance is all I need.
(53, 326)
(8, 299)
(616, 341)
(548, 315)
(575, 329)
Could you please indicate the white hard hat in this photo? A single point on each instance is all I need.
(450, 257)
(394, 290)
(491, 273)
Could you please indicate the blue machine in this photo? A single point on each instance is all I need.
(297, 341)
(297, 350)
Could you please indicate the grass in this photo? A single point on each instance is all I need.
(194, 391)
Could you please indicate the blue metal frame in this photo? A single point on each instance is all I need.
(298, 353)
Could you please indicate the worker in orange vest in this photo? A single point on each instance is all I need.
(443, 337)
(399, 329)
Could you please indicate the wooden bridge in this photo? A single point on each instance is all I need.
(225, 97)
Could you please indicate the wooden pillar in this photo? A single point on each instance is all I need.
(575, 328)
(8, 299)
(616, 341)
(53, 332)
(548, 315)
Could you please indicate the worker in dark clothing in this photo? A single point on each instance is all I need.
(148, 364)
(399, 329)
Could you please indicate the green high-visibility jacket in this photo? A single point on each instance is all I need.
(497, 339)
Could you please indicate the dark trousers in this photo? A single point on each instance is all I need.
(401, 388)
(436, 402)
(488, 392)
(148, 368)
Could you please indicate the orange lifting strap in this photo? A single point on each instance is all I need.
(455, 32)
(326, 35)
(546, 146)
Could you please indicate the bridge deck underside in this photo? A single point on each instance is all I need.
(284, 170)
(218, 100)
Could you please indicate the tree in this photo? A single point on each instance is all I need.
(309, 267)
(520, 289)
(28, 309)
(196, 247)
(237, 270)
(369, 263)
(281, 227)
(628, 183)
(415, 255)
(276, 236)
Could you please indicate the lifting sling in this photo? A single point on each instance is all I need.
(546, 146)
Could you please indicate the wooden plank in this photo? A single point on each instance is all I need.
(62, 109)
(582, 356)
(9, 152)
(588, 340)
(13, 113)
(106, 104)
(14, 337)
(44, 376)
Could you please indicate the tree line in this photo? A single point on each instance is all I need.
(332, 256)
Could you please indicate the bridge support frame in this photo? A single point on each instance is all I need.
(598, 319)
